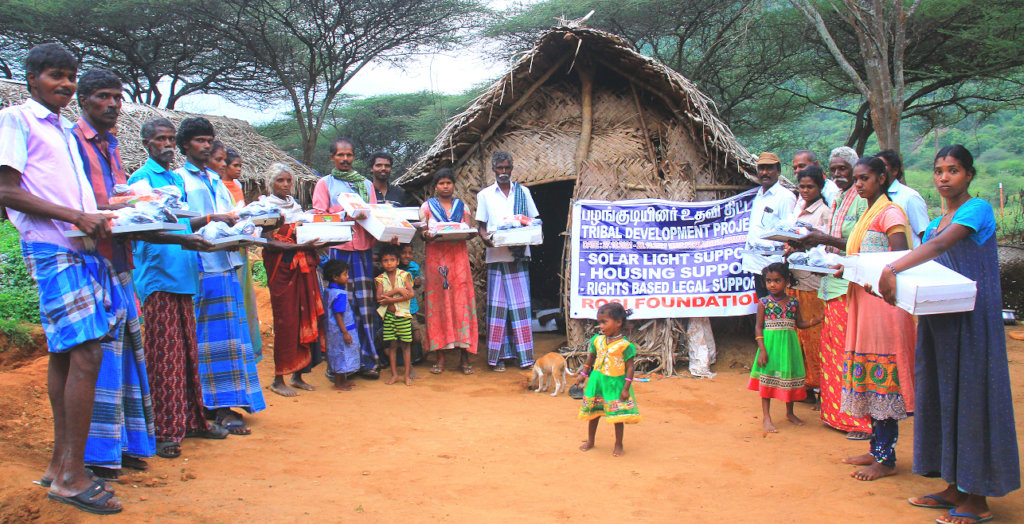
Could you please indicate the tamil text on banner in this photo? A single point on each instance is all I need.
(661, 259)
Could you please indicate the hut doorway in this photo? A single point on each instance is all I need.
(553, 202)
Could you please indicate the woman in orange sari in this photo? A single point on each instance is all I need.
(294, 288)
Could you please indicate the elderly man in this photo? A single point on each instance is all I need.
(772, 203)
(509, 318)
(805, 158)
(227, 363)
(166, 278)
(122, 420)
(44, 187)
(905, 196)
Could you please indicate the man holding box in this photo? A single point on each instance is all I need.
(509, 317)
(773, 203)
(44, 188)
(122, 429)
(358, 253)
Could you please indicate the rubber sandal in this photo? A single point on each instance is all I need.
(168, 450)
(978, 519)
(941, 503)
(436, 369)
(128, 461)
(106, 474)
(467, 370)
(85, 500)
(235, 427)
(499, 367)
(215, 432)
(858, 435)
(46, 483)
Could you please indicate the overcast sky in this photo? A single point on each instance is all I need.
(450, 73)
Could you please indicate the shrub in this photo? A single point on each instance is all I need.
(19, 299)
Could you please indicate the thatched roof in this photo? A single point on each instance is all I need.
(257, 151)
(464, 132)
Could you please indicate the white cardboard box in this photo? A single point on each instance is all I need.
(384, 224)
(410, 214)
(327, 232)
(519, 236)
(132, 228)
(927, 289)
(353, 205)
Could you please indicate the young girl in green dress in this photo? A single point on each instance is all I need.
(779, 368)
(608, 374)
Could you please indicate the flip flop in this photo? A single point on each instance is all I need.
(467, 370)
(499, 367)
(941, 503)
(1017, 335)
(436, 369)
(85, 500)
(215, 432)
(168, 450)
(46, 483)
(106, 474)
(135, 463)
(978, 519)
(858, 435)
(235, 427)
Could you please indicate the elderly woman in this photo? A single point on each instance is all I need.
(810, 209)
(294, 288)
(846, 209)
(451, 304)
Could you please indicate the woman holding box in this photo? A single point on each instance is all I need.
(878, 364)
(294, 289)
(964, 430)
(451, 303)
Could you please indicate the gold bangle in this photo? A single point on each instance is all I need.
(758, 338)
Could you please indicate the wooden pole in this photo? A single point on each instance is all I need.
(643, 127)
(586, 74)
(511, 109)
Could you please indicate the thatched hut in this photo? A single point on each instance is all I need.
(585, 116)
(257, 151)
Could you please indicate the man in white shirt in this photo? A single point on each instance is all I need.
(509, 318)
(773, 203)
(905, 196)
(805, 158)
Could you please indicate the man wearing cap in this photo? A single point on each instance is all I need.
(772, 203)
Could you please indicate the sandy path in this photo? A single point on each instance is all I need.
(460, 448)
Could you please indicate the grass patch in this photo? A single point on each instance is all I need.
(18, 333)
(259, 273)
(19, 299)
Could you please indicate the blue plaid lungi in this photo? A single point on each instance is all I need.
(361, 289)
(509, 318)
(227, 365)
(78, 300)
(122, 415)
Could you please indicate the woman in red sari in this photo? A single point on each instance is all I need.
(294, 288)
(450, 297)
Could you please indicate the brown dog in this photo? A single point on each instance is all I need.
(550, 365)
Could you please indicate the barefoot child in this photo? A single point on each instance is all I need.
(608, 374)
(406, 263)
(779, 370)
(394, 291)
(342, 335)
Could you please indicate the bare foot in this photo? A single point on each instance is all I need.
(817, 405)
(282, 390)
(391, 380)
(343, 387)
(297, 382)
(860, 460)
(587, 445)
(794, 419)
(617, 452)
(873, 472)
(769, 427)
(408, 381)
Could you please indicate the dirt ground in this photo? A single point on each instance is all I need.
(465, 448)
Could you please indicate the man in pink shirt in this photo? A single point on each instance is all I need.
(359, 252)
(43, 185)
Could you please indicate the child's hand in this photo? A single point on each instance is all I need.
(581, 380)
(818, 319)
(762, 358)
(624, 396)
(347, 336)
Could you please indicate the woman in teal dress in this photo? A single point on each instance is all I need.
(963, 430)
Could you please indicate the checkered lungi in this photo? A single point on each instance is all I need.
(509, 330)
(361, 290)
(78, 299)
(227, 365)
(122, 414)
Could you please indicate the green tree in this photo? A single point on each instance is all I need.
(310, 49)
